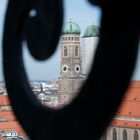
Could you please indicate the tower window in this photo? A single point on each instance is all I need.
(136, 137)
(72, 38)
(69, 38)
(77, 38)
(114, 134)
(65, 51)
(76, 51)
(77, 68)
(65, 68)
(124, 135)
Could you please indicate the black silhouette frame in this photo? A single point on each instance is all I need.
(92, 110)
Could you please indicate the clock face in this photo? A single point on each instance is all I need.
(77, 68)
(65, 68)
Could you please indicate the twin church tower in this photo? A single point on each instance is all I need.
(76, 57)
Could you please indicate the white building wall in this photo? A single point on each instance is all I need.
(88, 47)
(119, 130)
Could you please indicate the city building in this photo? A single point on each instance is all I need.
(126, 124)
(71, 65)
(9, 126)
(88, 47)
(77, 55)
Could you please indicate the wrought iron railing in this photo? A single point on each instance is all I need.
(92, 110)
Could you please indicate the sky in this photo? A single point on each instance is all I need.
(81, 12)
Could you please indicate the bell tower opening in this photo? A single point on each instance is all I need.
(65, 51)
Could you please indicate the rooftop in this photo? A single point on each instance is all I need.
(128, 114)
(71, 27)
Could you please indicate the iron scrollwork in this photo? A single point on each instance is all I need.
(92, 110)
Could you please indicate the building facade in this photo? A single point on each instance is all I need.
(71, 65)
(9, 126)
(76, 57)
(88, 47)
(126, 124)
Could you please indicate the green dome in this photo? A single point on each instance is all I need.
(71, 28)
(92, 31)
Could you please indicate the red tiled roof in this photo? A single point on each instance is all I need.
(1, 138)
(4, 100)
(130, 107)
(135, 84)
(131, 102)
(11, 126)
(127, 124)
(7, 115)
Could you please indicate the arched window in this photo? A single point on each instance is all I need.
(136, 137)
(76, 51)
(65, 51)
(124, 135)
(114, 134)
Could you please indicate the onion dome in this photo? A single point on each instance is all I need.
(71, 28)
(92, 31)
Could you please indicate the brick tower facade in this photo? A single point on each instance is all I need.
(71, 71)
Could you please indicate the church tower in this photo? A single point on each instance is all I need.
(88, 47)
(71, 70)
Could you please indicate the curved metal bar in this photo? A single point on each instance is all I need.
(91, 112)
(42, 31)
(14, 72)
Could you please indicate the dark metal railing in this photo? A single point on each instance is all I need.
(92, 110)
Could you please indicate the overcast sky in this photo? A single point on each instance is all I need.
(79, 11)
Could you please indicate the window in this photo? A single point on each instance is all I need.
(65, 51)
(69, 38)
(77, 68)
(65, 68)
(114, 134)
(124, 135)
(136, 137)
(76, 51)
(72, 38)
